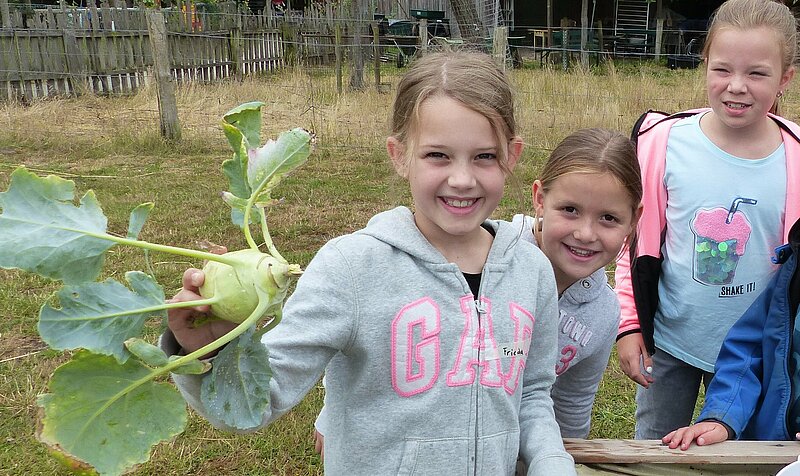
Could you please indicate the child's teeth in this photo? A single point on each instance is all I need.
(580, 252)
(460, 203)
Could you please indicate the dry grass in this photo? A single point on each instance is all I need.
(113, 146)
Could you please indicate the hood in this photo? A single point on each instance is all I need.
(396, 227)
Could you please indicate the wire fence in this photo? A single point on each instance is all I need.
(107, 50)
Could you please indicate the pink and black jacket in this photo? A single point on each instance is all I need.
(637, 285)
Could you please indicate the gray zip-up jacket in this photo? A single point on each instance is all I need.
(422, 378)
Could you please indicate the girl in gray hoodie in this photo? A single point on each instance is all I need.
(437, 327)
(587, 202)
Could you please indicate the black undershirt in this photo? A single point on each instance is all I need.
(474, 279)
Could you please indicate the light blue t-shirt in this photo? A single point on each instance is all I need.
(724, 219)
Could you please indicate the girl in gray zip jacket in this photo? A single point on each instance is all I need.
(588, 308)
(425, 376)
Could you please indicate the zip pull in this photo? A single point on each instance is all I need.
(782, 253)
(481, 308)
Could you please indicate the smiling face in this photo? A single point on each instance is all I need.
(454, 170)
(744, 75)
(586, 218)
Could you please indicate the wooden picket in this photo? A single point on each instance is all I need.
(68, 50)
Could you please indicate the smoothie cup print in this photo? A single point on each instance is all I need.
(720, 239)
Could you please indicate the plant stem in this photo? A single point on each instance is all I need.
(156, 247)
(246, 222)
(268, 238)
(160, 307)
(234, 333)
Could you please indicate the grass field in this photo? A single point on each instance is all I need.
(112, 145)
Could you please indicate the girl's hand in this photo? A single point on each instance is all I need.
(182, 321)
(704, 433)
(319, 444)
(632, 355)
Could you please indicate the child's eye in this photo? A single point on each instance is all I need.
(435, 155)
(486, 156)
(609, 218)
(569, 209)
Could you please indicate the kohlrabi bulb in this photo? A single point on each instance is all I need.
(236, 285)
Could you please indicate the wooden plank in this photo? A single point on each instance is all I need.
(653, 451)
(5, 14)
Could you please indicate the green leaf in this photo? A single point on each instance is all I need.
(269, 163)
(235, 167)
(138, 217)
(43, 232)
(247, 118)
(237, 389)
(238, 205)
(148, 353)
(101, 316)
(154, 357)
(242, 127)
(106, 414)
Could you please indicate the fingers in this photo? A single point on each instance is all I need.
(193, 278)
(180, 319)
(712, 433)
(703, 433)
(632, 353)
(647, 362)
(319, 444)
(682, 437)
(673, 438)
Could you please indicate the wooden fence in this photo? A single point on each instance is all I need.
(66, 50)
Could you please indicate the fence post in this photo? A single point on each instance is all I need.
(376, 54)
(659, 36)
(423, 36)
(291, 42)
(5, 13)
(500, 45)
(337, 51)
(165, 86)
(77, 73)
(236, 45)
(356, 33)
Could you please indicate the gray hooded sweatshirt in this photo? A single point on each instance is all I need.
(422, 378)
(587, 328)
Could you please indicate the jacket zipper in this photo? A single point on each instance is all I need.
(788, 353)
(481, 311)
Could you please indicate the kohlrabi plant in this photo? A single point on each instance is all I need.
(111, 403)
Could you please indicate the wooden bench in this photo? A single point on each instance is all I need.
(651, 457)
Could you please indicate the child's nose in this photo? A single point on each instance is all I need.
(461, 176)
(585, 232)
(737, 85)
